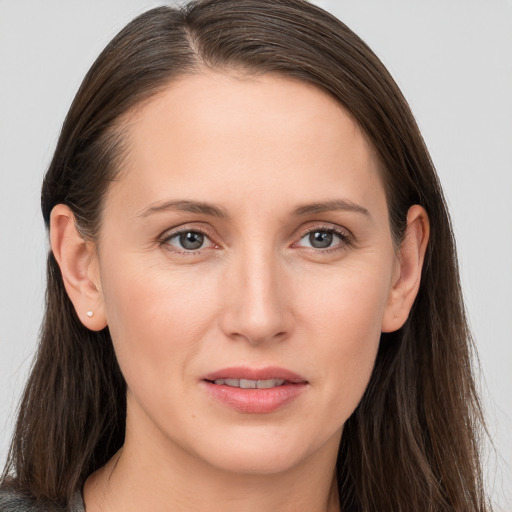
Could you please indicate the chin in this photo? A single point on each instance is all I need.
(254, 461)
(266, 452)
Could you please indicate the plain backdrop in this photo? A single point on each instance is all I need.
(453, 61)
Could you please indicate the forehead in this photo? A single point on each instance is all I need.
(224, 134)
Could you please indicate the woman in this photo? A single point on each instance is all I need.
(253, 299)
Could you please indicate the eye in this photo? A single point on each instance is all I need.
(189, 241)
(323, 239)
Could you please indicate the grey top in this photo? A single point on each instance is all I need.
(14, 502)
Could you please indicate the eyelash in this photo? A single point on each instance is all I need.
(346, 239)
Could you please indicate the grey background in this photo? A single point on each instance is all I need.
(453, 61)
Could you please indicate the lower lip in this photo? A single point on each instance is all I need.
(255, 401)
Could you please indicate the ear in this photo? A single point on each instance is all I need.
(406, 281)
(79, 267)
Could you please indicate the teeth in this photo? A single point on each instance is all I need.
(270, 383)
(250, 384)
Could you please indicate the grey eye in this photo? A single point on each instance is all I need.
(189, 241)
(321, 239)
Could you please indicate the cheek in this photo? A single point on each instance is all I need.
(157, 318)
(344, 323)
(347, 303)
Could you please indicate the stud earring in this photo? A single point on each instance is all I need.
(90, 313)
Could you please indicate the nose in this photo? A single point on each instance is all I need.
(257, 306)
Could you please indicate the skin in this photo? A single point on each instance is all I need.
(257, 293)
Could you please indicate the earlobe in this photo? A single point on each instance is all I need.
(410, 263)
(78, 265)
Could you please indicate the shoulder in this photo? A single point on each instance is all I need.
(13, 501)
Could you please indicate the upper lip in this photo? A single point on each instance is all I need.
(244, 372)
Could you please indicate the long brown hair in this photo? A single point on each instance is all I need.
(412, 443)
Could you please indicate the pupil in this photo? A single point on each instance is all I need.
(320, 239)
(191, 240)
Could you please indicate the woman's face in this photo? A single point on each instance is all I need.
(246, 243)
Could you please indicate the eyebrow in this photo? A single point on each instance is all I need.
(216, 211)
(184, 206)
(330, 206)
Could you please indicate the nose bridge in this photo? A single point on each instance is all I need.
(258, 309)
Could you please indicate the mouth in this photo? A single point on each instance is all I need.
(255, 391)
(250, 384)
(254, 378)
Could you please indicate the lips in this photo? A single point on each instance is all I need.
(254, 391)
